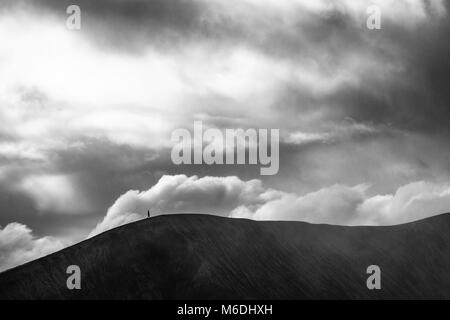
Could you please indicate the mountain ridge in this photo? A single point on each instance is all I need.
(197, 256)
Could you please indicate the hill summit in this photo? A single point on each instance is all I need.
(191, 256)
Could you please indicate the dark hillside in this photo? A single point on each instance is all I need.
(208, 257)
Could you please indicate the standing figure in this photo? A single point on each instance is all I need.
(148, 213)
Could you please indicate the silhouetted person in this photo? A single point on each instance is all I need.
(148, 213)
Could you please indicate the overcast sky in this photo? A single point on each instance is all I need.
(86, 116)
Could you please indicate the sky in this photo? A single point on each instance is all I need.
(86, 115)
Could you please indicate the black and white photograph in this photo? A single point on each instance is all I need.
(224, 150)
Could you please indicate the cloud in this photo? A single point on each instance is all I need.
(180, 194)
(230, 196)
(332, 205)
(18, 245)
(378, 77)
(134, 24)
(334, 133)
(130, 25)
(56, 193)
(344, 205)
(410, 202)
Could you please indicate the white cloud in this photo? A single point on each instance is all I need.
(57, 193)
(230, 196)
(410, 202)
(120, 99)
(20, 150)
(333, 205)
(138, 99)
(18, 245)
(299, 137)
(333, 133)
(181, 194)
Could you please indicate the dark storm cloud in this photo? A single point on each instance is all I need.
(100, 170)
(134, 25)
(170, 24)
(105, 170)
(418, 95)
(414, 97)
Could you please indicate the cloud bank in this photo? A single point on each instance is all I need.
(18, 245)
(230, 196)
(235, 198)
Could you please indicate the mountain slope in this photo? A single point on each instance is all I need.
(207, 257)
